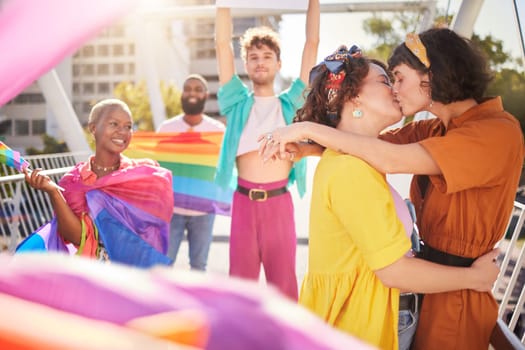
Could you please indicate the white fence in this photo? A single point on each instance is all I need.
(509, 288)
(23, 209)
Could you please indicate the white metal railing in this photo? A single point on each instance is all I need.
(509, 288)
(22, 208)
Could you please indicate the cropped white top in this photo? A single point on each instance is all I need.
(265, 116)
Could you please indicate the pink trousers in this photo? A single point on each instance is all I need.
(264, 232)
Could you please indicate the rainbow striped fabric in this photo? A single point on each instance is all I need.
(130, 210)
(12, 158)
(192, 158)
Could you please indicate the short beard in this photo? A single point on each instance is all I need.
(193, 108)
(263, 81)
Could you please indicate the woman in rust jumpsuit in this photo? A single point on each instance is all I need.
(467, 163)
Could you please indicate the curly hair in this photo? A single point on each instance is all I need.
(458, 69)
(317, 107)
(259, 36)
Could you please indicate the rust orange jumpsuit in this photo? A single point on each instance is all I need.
(464, 211)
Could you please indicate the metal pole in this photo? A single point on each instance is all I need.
(208, 11)
(429, 13)
(520, 31)
(145, 55)
(463, 22)
(57, 99)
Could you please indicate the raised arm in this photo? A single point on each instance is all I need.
(223, 44)
(312, 40)
(386, 157)
(67, 222)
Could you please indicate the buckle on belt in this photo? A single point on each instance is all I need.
(410, 302)
(258, 195)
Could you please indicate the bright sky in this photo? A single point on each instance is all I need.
(496, 18)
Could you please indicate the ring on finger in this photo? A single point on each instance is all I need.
(269, 137)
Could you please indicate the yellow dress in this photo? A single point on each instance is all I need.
(354, 230)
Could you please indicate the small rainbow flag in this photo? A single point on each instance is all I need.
(12, 158)
(192, 158)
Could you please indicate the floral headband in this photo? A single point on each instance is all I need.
(335, 64)
(414, 44)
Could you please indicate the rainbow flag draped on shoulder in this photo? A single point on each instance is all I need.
(192, 158)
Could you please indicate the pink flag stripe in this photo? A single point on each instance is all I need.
(37, 35)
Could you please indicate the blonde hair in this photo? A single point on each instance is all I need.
(259, 36)
(105, 107)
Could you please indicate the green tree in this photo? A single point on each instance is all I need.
(51, 145)
(386, 35)
(493, 49)
(390, 31)
(508, 83)
(171, 97)
(137, 98)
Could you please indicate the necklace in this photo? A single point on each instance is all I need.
(104, 168)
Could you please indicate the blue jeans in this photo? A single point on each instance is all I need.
(199, 229)
(406, 328)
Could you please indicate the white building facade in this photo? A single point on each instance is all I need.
(135, 49)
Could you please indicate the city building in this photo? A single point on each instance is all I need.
(150, 49)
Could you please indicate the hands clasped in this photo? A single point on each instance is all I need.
(280, 144)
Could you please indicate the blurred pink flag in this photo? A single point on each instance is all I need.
(36, 35)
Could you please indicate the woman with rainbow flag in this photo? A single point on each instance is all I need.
(112, 207)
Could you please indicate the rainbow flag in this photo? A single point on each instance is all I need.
(192, 158)
(12, 158)
(130, 209)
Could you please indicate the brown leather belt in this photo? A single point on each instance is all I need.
(410, 302)
(260, 195)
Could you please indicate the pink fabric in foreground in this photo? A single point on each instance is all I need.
(37, 35)
(52, 297)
